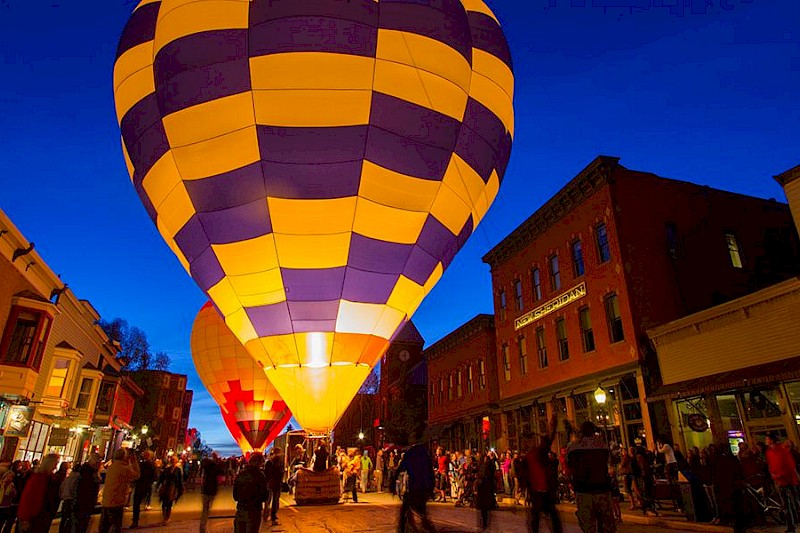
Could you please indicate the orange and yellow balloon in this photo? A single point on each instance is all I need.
(315, 165)
(251, 407)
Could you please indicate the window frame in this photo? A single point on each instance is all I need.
(734, 250)
(563, 341)
(88, 394)
(578, 264)
(602, 242)
(506, 355)
(536, 283)
(541, 348)
(482, 373)
(39, 338)
(518, 295)
(459, 384)
(65, 379)
(554, 268)
(470, 380)
(587, 334)
(522, 346)
(610, 302)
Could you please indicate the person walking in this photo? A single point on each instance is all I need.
(170, 487)
(352, 474)
(210, 470)
(123, 471)
(486, 500)
(250, 491)
(417, 465)
(8, 499)
(143, 487)
(588, 459)
(379, 466)
(39, 501)
(783, 471)
(273, 472)
(68, 491)
(542, 482)
(366, 470)
(88, 489)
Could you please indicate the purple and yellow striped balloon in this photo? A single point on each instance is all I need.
(315, 165)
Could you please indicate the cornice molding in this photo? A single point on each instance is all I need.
(788, 177)
(587, 182)
(475, 326)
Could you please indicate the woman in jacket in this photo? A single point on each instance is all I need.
(170, 487)
(39, 501)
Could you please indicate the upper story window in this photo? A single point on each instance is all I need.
(441, 391)
(450, 387)
(105, 398)
(541, 348)
(58, 378)
(506, 363)
(84, 394)
(563, 343)
(555, 273)
(536, 281)
(577, 258)
(459, 386)
(523, 355)
(503, 304)
(518, 294)
(433, 395)
(470, 380)
(615, 330)
(671, 235)
(25, 337)
(733, 250)
(587, 336)
(603, 250)
(482, 373)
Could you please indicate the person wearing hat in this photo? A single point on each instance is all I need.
(123, 471)
(783, 471)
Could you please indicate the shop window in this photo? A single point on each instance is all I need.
(760, 404)
(58, 378)
(614, 318)
(733, 250)
(31, 448)
(518, 295)
(692, 412)
(587, 336)
(506, 363)
(482, 373)
(25, 337)
(470, 381)
(603, 249)
(563, 342)
(105, 398)
(577, 258)
(536, 281)
(729, 412)
(522, 345)
(555, 273)
(541, 348)
(84, 394)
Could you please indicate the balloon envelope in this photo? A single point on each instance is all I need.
(250, 405)
(315, 165)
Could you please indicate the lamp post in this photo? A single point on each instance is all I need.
(600, 397)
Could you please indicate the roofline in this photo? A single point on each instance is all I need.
(13, 239)
(454, 338)
(785, 178)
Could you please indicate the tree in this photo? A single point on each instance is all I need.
(134, 346)
(372, 383)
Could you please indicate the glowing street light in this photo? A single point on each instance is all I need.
(145, 429)
(361, 435)
(600, 396)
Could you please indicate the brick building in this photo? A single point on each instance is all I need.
(164, 409)
(463, 387)
(613, 253)
(60, 383)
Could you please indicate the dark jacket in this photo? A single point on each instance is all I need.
(88, 489)
(417, 462)
(485, 485)
(250, 488)
(170, 476)
(147, 474)
(588, 465)
(211, 472)
(320, 460)
(273, 472)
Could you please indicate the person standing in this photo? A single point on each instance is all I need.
(88, 489)
(353, 472)
(273, 472)
(38, 503)
(542, 482)
(366, 469)
(486, 500)
(321, 458)
(210, 471)
(416, 464)
(783, 471)
(143, 487)
(8, 499)
(379, 465)
(170, 487)
(123, 471)
(68, 493)
(250, 491)
(588, 459)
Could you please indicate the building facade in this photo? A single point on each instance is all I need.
(165, 410)
(612, 254)
(60, 384)
(463, 387)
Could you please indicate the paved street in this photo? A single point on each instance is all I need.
(374, 512)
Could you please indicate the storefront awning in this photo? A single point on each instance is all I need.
(744, 378)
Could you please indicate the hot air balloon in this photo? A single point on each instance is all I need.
(250, 405)
(315, 166)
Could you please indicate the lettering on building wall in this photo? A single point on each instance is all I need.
(575, 293)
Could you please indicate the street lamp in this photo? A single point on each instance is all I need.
(145, 429)
(600, 397)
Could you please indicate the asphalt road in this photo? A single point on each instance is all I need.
(374, 512)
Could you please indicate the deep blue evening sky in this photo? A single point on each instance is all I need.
(709, 96)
